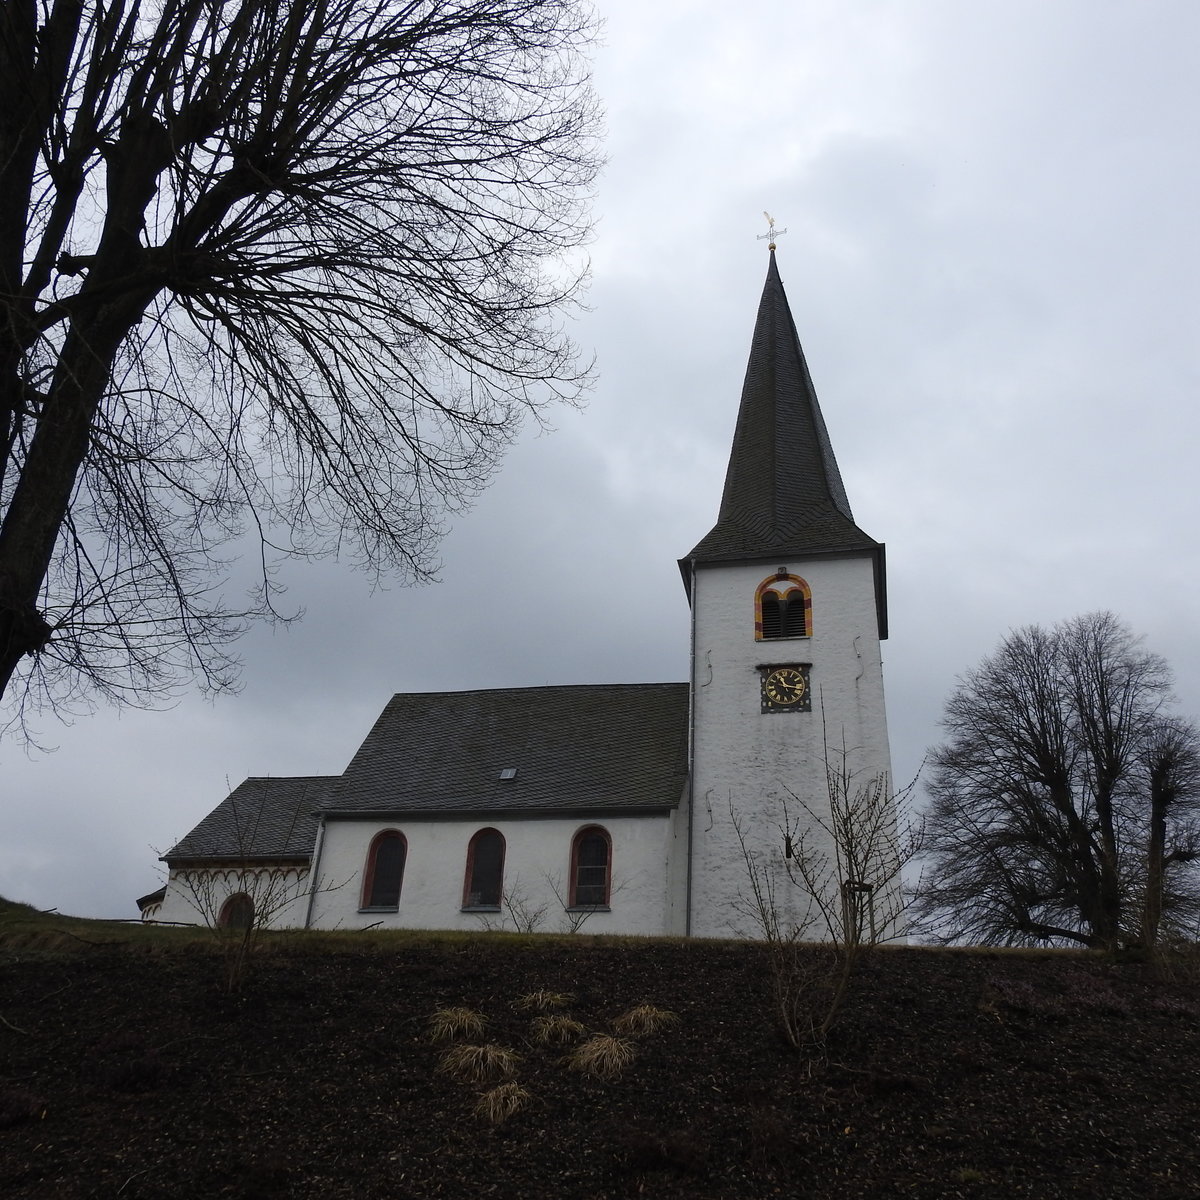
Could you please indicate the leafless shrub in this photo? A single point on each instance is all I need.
(240, 898)
(518, 909)
(556, 1029)
(834, 876)
(488, 1063)
(505, 1100)
(601, 1057)
(576, 916)
(643, 1019)
(449, 1023)
(807, 979)
(525, 913)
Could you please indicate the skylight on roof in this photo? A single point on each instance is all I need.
(508, 774)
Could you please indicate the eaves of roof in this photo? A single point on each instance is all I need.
(495, 813)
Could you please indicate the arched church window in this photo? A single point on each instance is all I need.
(782, 608)
(385, 870)
(591, 868)
(237, 912)
(485, 870)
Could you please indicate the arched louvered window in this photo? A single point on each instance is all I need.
(591, 868)
(384, 872)
(485, 870)
(237, 912)
(782, 608)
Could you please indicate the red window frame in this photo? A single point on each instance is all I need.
(384, 835)
(783, 585)
(237, 912)
(587, 833)
(468, 878)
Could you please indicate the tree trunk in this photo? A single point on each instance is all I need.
(1155, 850)
(43, 492)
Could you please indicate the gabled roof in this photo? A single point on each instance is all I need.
(783, 492)
(261, 818)
(616, 747)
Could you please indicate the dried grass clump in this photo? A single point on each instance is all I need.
(479, 1064)
(557, 1029)
(505, 1100)
(643, 1019)
(601, 1057)
(541, 1000)
(449, 1023)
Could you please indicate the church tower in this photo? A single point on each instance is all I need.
(788, 602)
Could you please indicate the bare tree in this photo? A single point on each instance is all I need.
(825, 890)
(1062, 801)
(283, 267)
(846, 855)
(262, 879)
(1171, 769)
(238, 901)
(799, 974)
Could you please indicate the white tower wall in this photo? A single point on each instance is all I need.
(753, 764)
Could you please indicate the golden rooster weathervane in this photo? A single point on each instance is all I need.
(771, 231)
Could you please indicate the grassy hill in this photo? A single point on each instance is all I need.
(126, 1070)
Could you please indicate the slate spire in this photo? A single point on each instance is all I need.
(783, 493)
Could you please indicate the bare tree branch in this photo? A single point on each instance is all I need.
(290, 269)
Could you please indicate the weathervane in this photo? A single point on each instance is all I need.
(771, 232)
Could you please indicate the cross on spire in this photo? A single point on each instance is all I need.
(771, 231)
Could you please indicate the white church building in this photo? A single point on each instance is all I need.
(629, 807)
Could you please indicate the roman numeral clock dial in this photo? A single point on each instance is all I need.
(785, 688)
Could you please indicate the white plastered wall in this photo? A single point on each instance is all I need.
(536, 862)
(754, 760)
(195, 895)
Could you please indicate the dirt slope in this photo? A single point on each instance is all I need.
(952, 1074)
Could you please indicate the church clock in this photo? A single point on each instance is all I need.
(785, 688)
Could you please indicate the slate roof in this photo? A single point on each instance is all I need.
(783, 492)
(618, 747)
(261, 818)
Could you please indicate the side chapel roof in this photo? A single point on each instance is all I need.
(783, 492)
(261, 818)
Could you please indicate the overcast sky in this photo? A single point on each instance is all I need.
(993, 265)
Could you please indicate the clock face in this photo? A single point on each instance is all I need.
(785, 688)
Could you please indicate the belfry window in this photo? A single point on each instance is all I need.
(385, 870)
(485, 870)
(783, 608)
